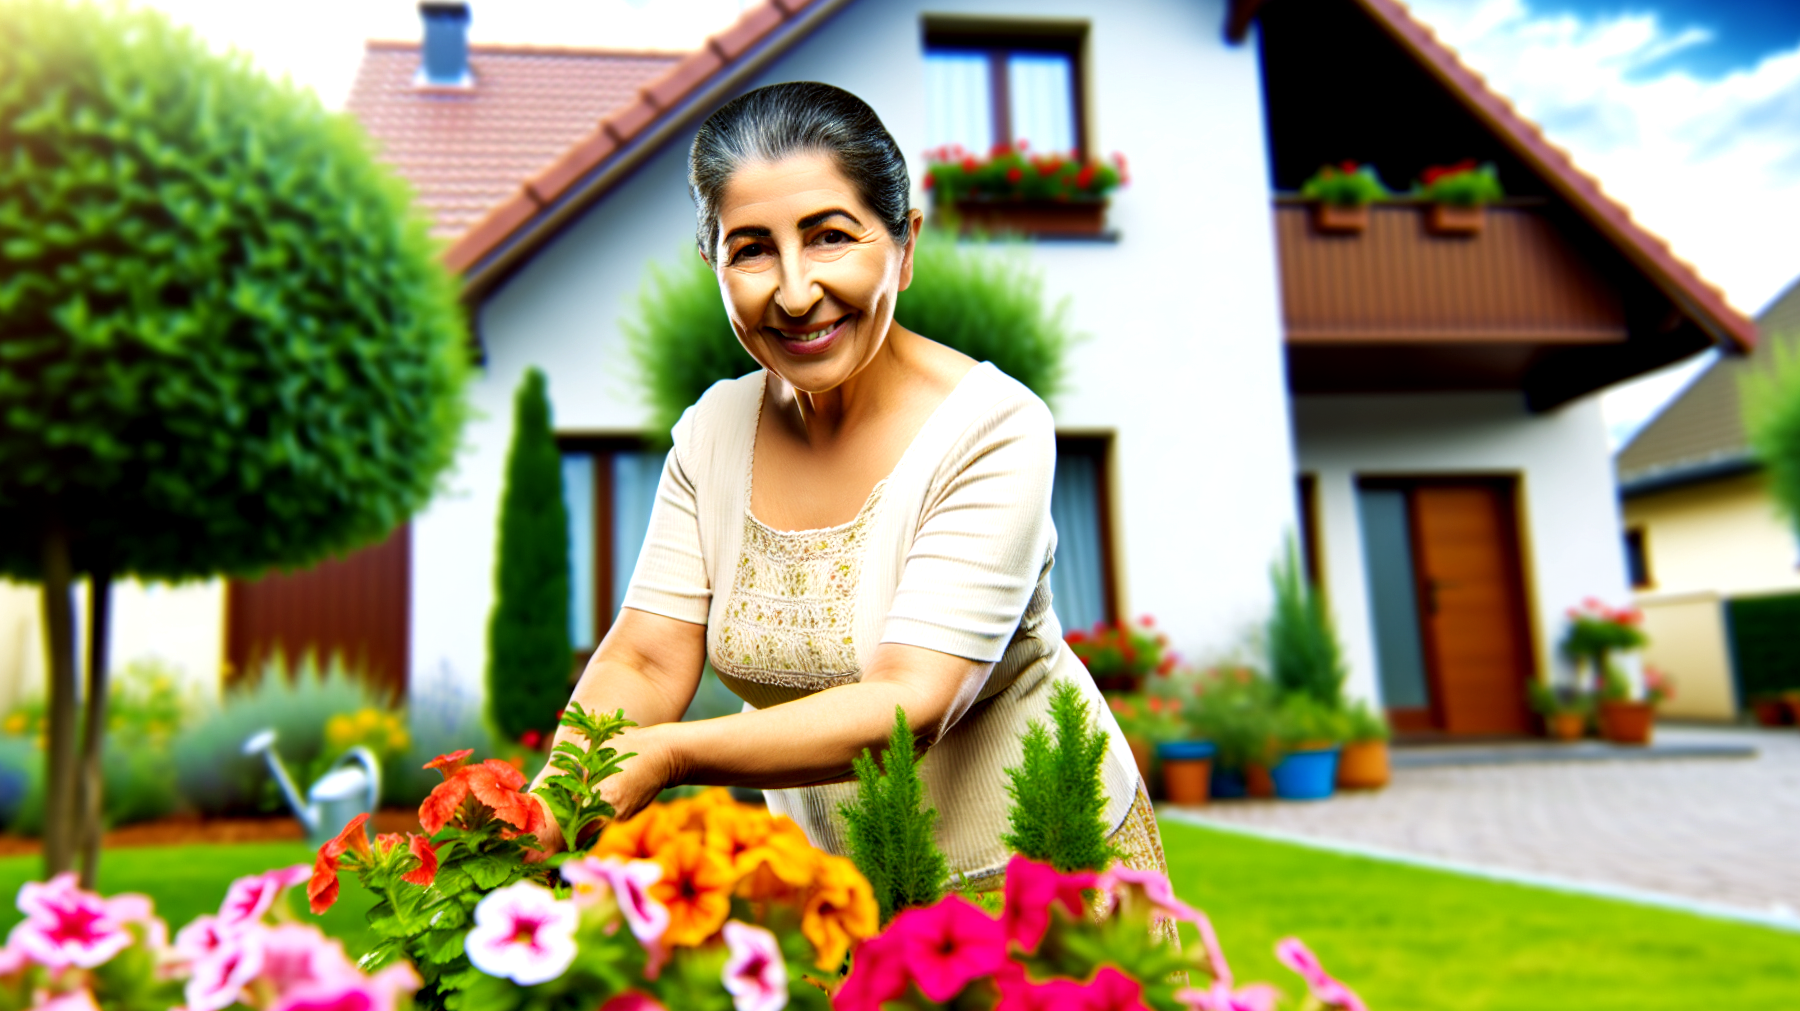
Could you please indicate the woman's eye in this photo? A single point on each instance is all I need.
(746, 252)
(833, 237)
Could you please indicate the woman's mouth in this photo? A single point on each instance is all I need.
(812, 341)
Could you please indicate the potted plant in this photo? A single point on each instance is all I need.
(1120, 654)
(1187, 770)
(1014, 190)
(1148, 721)
(1234, 708)
(1595, 635)
(1624, 720)
(1363, 763)
(1565, 710)
(1310, 735)
(1341, 195)
(1776, 709)
(1459, 195)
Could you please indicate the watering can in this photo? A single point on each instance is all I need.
(342, 793)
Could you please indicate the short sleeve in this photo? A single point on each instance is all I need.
(671, 577)
(983, 536)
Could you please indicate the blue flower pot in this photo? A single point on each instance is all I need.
(1185, 751)
(1306, 775)
(1229, 783)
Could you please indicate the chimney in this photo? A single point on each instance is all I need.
(444, 58)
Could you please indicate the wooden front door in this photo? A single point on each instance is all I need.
(1471, 606)
(356, 607)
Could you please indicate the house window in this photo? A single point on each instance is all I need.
(609, 485)
(989, 84)
(1637, 559)
(1081, 582)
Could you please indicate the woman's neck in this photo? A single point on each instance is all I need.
(822, 418)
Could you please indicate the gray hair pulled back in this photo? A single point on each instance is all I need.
(802, 117)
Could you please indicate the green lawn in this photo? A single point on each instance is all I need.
(1407, 938)
(1411, 939)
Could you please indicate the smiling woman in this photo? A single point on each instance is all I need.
(862, 525)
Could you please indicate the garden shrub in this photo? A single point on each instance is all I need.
(529, 656)
(1058, 810)
(1771, 407)
(212, 771)
(1304, 655)
(987, 303)
(1234, 708)
(890, 830)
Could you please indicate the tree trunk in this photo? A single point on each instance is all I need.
(59, 644)
(93, 734)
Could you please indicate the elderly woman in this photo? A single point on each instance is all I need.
(863, 524)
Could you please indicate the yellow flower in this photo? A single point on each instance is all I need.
(840, 909)
(16, 723)
(641, 837)
(695, 889)
(779, 865)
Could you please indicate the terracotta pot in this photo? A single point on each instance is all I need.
(1141, 753)
(1627, 722)
(1258, 780)
(1363, 765)
(1187, 781)
(1445, 219)
(1033, 217)
(1339, 219)
(1773, 712)
(1565, 726)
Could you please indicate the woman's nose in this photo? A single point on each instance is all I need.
(797, 292)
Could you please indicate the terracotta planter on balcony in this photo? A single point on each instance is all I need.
(1033, 217)
(1627, 722)
(1363, 765)
(1446, 219)
(1339, 219)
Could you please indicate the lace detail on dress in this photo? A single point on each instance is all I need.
(788, 621)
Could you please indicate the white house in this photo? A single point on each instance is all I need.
(1418, 406)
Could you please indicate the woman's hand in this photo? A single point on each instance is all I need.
(644, 775)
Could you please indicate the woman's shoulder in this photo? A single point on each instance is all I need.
(723, 410)
(989, 398)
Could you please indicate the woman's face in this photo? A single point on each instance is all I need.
(809, 273)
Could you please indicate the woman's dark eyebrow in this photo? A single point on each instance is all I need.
(813, 219)
(749, 232)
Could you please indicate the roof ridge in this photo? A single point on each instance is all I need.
(1582, 189)
(535, 49)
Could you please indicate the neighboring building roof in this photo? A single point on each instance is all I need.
(1700, 434)
(466, 149)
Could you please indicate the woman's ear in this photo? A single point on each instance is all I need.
(698, 248)
(915, 220)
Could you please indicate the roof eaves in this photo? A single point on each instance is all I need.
(1699, 300)
(534, 213)
(1685, 473)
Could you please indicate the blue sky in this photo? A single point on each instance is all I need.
(1726, 35)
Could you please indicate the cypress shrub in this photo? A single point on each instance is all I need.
(1771, 409)
(890, 829)
(1059, 807)
(1304, 655)
(529, 656)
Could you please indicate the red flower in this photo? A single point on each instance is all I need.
(493, 785)
(448, 764)
(426, 872)
(970, 164)
(322, 889)
(1436, 172)
(1014, 175)
(1085, 177)
(999, 150)
(929, 179)
(532, 738)
(1348, 168)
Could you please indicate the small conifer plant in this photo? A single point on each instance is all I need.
(890, 828)
(1059, 808)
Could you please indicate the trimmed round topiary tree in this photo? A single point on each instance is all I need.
(226, 343)
(988, 304)
(529, 656)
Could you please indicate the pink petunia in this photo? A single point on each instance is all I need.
(201, 938)
(13, 960)
(1294, 954)
(523, 933)
(1112, 990)
(949, 944)
(249, 898)
(65, 926)
(1221, 997)
(1156, 889)
(296, 956)
(351, 992)
(877, 975)
(755, 975)
(1032, 888)
(632, 1000)
(629, 883)
(68, 1000)
(1018, 993)
(217, 980)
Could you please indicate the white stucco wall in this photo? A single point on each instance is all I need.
(1183, 361)
(1568, 508)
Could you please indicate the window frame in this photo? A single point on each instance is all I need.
(996, 38)
(1099, 446)
(602, 448)
(1637, 558)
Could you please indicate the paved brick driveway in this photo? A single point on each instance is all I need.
(1719, 830)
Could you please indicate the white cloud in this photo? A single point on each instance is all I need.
(1713, 166)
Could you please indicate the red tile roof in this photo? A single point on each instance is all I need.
(466, 150)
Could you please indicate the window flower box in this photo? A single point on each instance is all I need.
(1459, 195)
(1014, 191)
(1032, 217)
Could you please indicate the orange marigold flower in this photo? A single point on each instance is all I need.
(695, 889)
(840, 910)
(641, 837)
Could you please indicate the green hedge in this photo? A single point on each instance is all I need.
(1765, 643)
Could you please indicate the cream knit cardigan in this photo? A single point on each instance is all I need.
(958, 561)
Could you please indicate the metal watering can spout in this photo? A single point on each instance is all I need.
(342, 793)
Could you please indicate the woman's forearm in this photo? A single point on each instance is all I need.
(812, 739)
